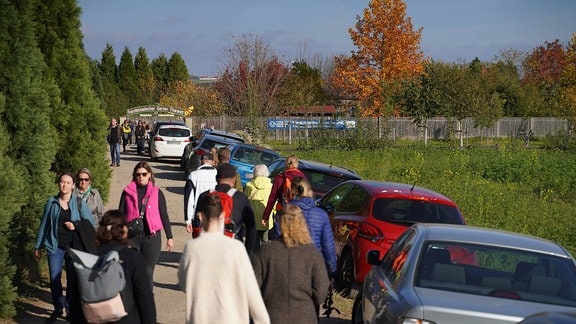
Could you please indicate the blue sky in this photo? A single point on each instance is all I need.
(200, 30)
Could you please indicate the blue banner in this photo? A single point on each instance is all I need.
(286, 123)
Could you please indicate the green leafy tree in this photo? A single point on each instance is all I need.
(127, 80)
(30, 95)
(302, 87)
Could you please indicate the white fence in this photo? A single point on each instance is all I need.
(395, 128)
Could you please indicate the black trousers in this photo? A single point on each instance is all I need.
(149, 246)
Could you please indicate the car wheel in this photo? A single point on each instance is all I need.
(357, 310)
(345, 277)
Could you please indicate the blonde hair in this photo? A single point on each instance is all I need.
(214, 152)
(301, 188)
(292, 162)
(293, 226)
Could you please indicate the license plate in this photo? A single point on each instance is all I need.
(174, 142)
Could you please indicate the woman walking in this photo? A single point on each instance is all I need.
(61, 215)
(89, 194)
(258, 190)
(291, 272)
(144, 205)
(216, 275)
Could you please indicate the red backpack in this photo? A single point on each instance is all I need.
(286, 192)
(227, 203)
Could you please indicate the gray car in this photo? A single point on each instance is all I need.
(463, 274)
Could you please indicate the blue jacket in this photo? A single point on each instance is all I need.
(48, 231)
(320, 230)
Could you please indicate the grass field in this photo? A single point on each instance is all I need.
(522, 190)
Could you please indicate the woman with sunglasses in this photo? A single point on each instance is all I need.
(89, 194)
(144, 205)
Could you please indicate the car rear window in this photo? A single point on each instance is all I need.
(323, 182)
(209, 144)
(497, 271)
(254, 156)
(415, 211)
(174, 132)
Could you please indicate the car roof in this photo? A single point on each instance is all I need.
(173, 126)
(234, 146)
(324, 167)
(222, 138)
(489, 236)
(384, 187)
(216, 132)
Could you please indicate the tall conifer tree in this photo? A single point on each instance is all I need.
(30, 97)
(79, 120)
(144, 77)
(127, 78)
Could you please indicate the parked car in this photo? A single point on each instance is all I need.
(551, 318)
(370, 215)
(322, 176)
(420, 279)
(157, 125)
(245, 156)
(169, 141)
(190, 158)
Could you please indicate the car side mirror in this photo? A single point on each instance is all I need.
(329, 208)
(373, 257)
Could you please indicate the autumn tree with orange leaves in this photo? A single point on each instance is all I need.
(195, 100)
(388, 52)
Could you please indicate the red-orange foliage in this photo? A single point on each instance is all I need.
(388, 51)
(546, 63)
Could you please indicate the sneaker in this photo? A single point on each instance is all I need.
(118, 164)
(112, 164)
(54, 316)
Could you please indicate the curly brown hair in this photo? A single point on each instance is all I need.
(293, 226)
(112, 227)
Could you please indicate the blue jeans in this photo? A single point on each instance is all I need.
(55, 262)
(115, 153)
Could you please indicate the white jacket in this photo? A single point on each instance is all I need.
(200, 180)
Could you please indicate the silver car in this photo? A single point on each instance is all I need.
(464, 274)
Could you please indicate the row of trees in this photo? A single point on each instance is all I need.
(387, 75)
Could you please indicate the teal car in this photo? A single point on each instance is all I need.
(245, 156)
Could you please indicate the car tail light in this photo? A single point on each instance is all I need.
(158, 138)
(188, 140)
(370, 232)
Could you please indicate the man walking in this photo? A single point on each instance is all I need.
(114, 137)
(200, 180)
(242, 213)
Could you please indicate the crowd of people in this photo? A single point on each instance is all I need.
(277, 268)
(128, 133)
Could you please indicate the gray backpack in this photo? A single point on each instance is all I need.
(100, 281)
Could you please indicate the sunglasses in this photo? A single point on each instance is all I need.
(143, 174)
(84, 179)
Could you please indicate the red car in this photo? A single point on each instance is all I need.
(370, 215)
